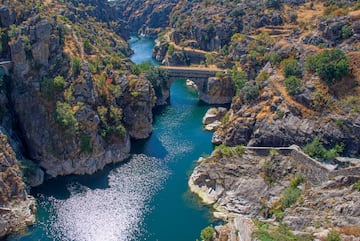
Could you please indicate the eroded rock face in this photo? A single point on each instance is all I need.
(138, 108)
(217, 90)
(145, 17)
(79, 127)
(250, 186)
(17, 209)
(212, 118)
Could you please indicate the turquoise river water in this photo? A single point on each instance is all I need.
(144, 198)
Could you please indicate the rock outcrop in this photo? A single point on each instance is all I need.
(75, 112)
(212, 118)
(17, 208)
(251, 183)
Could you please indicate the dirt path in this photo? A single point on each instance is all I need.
(276, 80)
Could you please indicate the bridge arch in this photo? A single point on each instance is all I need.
(211, 89)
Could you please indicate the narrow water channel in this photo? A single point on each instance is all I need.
(145, 198)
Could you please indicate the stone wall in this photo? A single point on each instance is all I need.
(313, 170)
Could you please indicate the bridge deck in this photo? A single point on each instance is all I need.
(187, 68)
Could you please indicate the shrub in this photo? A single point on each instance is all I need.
(171, 49)
(290, 196)
(291, 67)
(87, 45)
(225, 118)
(250, 93)
(59, 83)
(262, 76)
(120, 131)
(265, 232)
(317, 150)
(274, 59)
(75, 66)
(296, 181)
(239, 79)
(346, 31)
(333, 236)
(293, 84)
(280, 113)
(357, 185)
(330, 65)
(65, 117)
(239, 150)
(85, 144)
(207, 233)
(47, 87)
(224, 150)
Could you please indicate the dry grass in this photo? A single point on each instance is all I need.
(350, 230)
(277, 82)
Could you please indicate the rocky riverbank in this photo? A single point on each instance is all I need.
(242, 184)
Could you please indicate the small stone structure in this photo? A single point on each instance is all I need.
(313, 170)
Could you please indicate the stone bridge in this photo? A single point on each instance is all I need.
(5, 66)
(211, 89)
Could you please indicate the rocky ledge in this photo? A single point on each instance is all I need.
(246, 183)
(17, 209)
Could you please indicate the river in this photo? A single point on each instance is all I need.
(144, 198)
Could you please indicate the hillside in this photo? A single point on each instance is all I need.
(71, 101)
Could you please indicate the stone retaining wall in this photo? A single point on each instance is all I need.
(313, 170)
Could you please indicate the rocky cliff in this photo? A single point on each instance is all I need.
(270, 185)
(17, 209)
(74, 98)
(145, 17)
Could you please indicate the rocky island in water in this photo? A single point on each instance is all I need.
(286, 161)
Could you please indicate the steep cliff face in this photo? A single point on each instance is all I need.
(17, 209)
(75, 100)
(145, 17)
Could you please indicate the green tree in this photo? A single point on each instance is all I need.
(207, 233)
(239, 79)
(330, 65)
(250, 92)
(291, 67)
(59, 82)
(157, 77)
(65, 117)
(293, 84)
(317, 150)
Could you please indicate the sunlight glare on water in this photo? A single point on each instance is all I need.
(108, 214)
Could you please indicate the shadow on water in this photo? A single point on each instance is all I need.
(59, 187)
